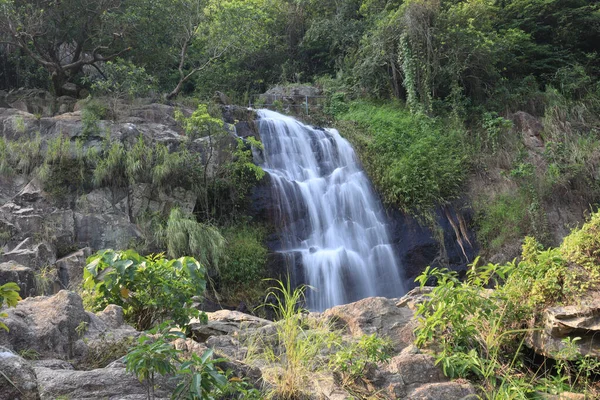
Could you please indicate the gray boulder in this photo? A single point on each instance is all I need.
(560, 323)
(21, 275)
(225, 322)
(70, 268)
(47, 325)
(104, 383)
(102, 220)
(31, 254)
(17, 377)
(377, 315)
(445, 391)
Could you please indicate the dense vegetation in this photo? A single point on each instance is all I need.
(447, 75)
(438, 96)
(483, 334)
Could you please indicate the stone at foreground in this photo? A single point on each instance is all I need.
(415, 297)
(377, 315)
(444, 391)
(225, 322)
(560, 323)
(22, 384)
(45, 324)
(56, 326)
(104, 383)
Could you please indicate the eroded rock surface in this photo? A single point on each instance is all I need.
(56, 326)
(17, 379)
(568, 322)
(378, 315)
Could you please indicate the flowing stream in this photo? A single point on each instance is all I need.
(328, 213)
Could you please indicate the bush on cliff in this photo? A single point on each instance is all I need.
(415, 161)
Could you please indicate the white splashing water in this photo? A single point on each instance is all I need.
(328, 212)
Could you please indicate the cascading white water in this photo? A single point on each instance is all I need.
(328, 212)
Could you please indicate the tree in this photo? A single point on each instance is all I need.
(211, 29)
(63, 36)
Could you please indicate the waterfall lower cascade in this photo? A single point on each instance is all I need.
(328, 212)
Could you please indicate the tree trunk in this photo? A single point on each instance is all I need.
(176, 91)
(59, 78)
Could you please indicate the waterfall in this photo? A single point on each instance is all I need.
(328, 213)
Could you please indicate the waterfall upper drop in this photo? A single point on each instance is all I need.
(328, 212)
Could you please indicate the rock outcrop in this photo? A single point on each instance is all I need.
(57, 232)
(377, 315)
(57, 328)
(562, 324)
(17, 379)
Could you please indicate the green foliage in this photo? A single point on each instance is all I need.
(503, 220)
(198, 376)
(150, 289)
(9, 295)
(301, 343)
(478, 332)
(352, 360)
(122, 79)
(245, 259)
(91, 27)
(151, 357)
(64, 168)
(111, 167)
(416, 162)
(93, 111)
(242, 173)
(183, 234)
(494, 127)
(200, 123)
(202, 379)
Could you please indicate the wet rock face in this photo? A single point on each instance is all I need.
(417, 247)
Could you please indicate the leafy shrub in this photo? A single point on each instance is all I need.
(183, 234)
(352, 360)
(150, 289)
(93, 111)
(9, 295)
(122, 80)
(479, 333)
(198, 376)
(245, 258)
(200, 123)
(154, 356)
